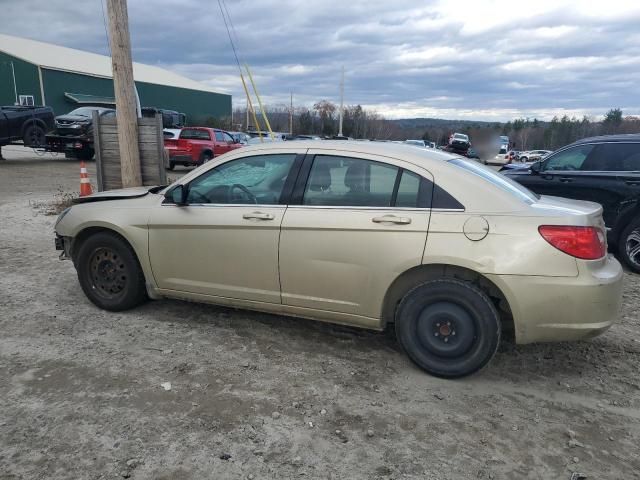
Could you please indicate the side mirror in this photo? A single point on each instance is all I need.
(536, 167)
(177, 195)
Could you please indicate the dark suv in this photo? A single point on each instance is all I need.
(600, 169)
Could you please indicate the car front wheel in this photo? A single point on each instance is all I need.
(448, 327)
(109, 272)
(629, 247)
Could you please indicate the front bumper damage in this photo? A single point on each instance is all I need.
(64, 245)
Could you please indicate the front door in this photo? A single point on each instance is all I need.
(224, 242)
(359, 223)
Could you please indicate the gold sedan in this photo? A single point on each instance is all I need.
(364, 234)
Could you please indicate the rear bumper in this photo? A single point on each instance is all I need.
(181, 158)
(549, 309)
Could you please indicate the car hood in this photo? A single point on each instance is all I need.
(119, 194)
(73, 118)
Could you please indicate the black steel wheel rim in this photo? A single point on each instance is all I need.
(632, 247)
(108, 273)
(36, 137)
(446, 329)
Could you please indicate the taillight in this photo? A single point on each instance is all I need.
(587, 243)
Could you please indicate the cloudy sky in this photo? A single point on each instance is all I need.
(481, 60)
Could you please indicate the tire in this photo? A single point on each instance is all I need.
(172, 165)
(34, 136)
(109, 272)
(448, 327)
(629, 245)
(205, 158)
(523, 159)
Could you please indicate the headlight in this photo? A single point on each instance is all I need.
(61, 216)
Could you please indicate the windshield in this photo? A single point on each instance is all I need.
(461, 136)
(497, 179)
(85, 111)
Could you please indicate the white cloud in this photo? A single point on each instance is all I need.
(490, 59)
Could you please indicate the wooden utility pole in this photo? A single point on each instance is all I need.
(124, 88)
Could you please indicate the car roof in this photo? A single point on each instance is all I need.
(402, 151)
(628, 137)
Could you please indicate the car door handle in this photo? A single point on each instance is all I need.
(258, 216)
(392, 219)
(566, 179)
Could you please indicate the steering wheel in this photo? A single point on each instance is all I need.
(202, 198)
(245, 190)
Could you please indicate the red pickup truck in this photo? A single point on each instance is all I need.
(197, 145)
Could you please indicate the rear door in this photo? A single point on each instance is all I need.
(224, 142)
(355, 223)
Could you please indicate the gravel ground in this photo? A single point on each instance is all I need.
(261, 396)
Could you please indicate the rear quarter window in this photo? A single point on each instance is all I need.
(499, 181)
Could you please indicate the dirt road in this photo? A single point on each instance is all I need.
(260, 396)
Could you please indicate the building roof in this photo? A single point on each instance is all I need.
(55, 57)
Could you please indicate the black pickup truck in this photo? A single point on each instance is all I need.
(29, 124)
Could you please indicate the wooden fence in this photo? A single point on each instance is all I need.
(150, 142)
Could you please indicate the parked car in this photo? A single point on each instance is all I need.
(533, 155)
(240, 137)
(170, 118)
(171, 132)
(471, 153)
(605, 170)
(198, 145)
(416, 143)
(28, 124)
(459, 142)
(280, 228)
(501, 158)
(73, 134)
(307, 137)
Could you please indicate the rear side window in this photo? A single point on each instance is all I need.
(194, 134)
(219, 136)
(500, 181)
(614, 157)
(355, 182)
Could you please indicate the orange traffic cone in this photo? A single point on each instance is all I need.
(85, 184)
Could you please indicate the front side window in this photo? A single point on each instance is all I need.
(219, 137)
(355, 182)
(568, 160)
(258, 179)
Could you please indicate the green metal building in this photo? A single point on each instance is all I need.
(36, 73)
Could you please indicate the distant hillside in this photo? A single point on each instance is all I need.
(440, 123)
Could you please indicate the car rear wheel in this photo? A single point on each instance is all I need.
(448, 327)
(523, 159)
(172, 165)
(629, 246)
(109, 272)
(205, 158)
